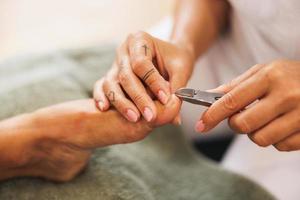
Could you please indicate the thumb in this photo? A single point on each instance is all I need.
(177, 81)
(167, 113)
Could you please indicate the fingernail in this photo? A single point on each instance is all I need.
(199, 127)
(148, 114)
(101, 105)
(131, 115)
(162, 96)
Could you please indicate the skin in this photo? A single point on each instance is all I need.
(274, 119)
(197, 24)
(56, 142)
(147, 68)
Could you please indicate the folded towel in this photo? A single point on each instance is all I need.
(163, 166)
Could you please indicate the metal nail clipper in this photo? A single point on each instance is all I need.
(197, 96)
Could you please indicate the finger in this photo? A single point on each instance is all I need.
(117, 98)
(133, 87)
(100, 99)
(257, 115)
(235, 82)
(136, 91)
(291, 143)
(177, 120)
(141, 51)
(141, 44)
(176, 82)
(234, 101)
(276, 130)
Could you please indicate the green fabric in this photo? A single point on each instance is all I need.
(163, 166)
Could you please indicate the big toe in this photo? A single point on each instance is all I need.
(166, 113)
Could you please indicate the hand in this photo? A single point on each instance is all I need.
(272, 120)
(143, 63)
(59, 139)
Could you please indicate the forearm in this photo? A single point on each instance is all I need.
(16, 146)
(198, 23)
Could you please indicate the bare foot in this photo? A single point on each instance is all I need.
(62, 136)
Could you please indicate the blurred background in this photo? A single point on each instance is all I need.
(29, 26)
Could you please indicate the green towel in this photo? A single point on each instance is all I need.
(163, 166)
